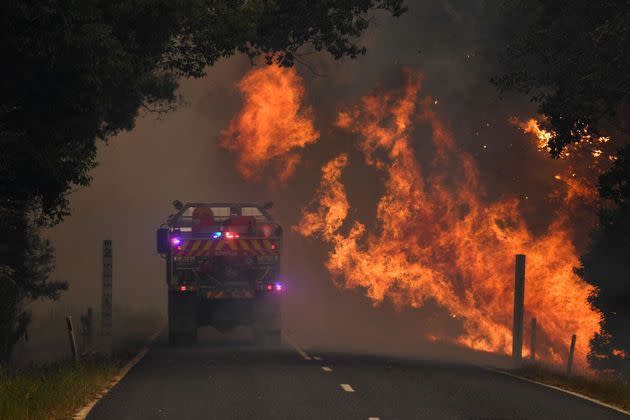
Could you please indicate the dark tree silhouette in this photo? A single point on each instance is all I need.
(606, 265)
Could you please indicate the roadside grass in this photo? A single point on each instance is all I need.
(59, 390)
(55, 391)
(611, 390)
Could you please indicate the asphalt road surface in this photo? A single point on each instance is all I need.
(237, 381)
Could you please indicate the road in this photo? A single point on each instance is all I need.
(236, 381)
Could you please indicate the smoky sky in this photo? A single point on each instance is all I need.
(176, 156)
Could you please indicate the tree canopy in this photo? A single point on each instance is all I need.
(572, 58)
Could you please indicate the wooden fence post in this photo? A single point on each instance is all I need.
(519, 309)
(571, 353)
(73, 343)
(532, 344)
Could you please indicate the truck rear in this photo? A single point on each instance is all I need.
(222, 269)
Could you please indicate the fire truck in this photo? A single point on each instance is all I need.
(222, 269)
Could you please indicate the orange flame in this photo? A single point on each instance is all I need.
(439, 239)
(532, 126)
(272, 126)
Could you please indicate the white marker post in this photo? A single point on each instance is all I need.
(106, 298)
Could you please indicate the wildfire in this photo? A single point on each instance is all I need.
(273, 125)
(438, 238)
(583, 161)
(543, 136)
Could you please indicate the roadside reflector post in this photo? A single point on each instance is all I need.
(73, 343)
(519, 308)
(106, 298)
(571, 353)
(532, 344)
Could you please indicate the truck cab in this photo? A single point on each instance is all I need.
(222, 269)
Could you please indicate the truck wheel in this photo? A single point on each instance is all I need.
(182, 318)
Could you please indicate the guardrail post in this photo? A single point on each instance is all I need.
(519, 308)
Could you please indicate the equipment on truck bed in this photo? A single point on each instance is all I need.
(222, 269)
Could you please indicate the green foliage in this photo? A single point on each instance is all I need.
(606, 266)
(572, 58)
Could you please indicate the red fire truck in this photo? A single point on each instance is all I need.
(222, 269)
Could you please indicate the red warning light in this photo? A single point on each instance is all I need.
(266, 230)
(183, 288)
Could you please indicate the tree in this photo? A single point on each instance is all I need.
(25, 282)
(572, 58)
(78, 71)
(606, 265)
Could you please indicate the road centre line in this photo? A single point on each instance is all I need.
(317, 358)
(347, 388)
(374, 418)
(326, 369)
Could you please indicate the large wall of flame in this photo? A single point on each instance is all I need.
(438, 237)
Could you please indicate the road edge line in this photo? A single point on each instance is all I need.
(297, 348)
(557, 388)
(82, 413)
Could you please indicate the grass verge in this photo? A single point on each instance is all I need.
(54, 391)
(612, 391)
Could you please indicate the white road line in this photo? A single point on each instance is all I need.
(317, 358)
(326, 369)
(566, 391)
(374, 418)
(347, 388)
(83, 412)
(297, 348)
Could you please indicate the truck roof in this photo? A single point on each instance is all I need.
(222, 210)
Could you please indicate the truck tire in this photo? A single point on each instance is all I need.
(182, 318)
